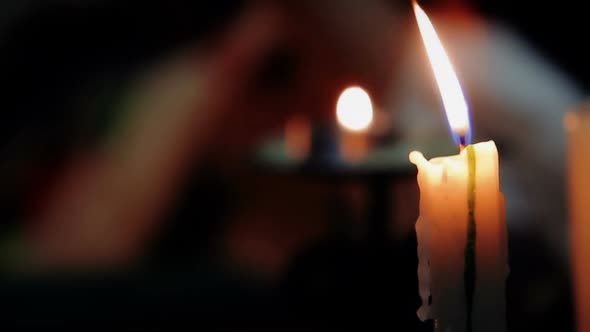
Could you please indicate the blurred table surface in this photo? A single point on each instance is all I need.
(386, 159)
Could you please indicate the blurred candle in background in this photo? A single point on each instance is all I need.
(461, 230)
(354, 112)
(298, 137)
(577, 126)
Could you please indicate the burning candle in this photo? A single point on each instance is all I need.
(461, 230)
(354, 111)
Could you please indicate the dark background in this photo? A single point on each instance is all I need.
(46, 67)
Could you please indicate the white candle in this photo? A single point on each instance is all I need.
(461, 231)
(442, 231)
(578, 132)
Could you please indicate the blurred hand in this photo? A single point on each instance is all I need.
(212, 102)
(107, 203)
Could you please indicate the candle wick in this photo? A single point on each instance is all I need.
(462, 142)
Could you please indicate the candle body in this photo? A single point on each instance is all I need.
(578, 132)
(442, 238)
(354, 146)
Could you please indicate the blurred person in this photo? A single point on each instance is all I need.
(212, 108)
(207, 101)
(200, 100)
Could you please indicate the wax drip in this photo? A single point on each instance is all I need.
(469, 273)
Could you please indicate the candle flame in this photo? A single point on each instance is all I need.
(354, 109)
(446, 79)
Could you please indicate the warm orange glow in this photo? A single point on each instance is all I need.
(446, 79)
(354, 109)
(298, 136)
